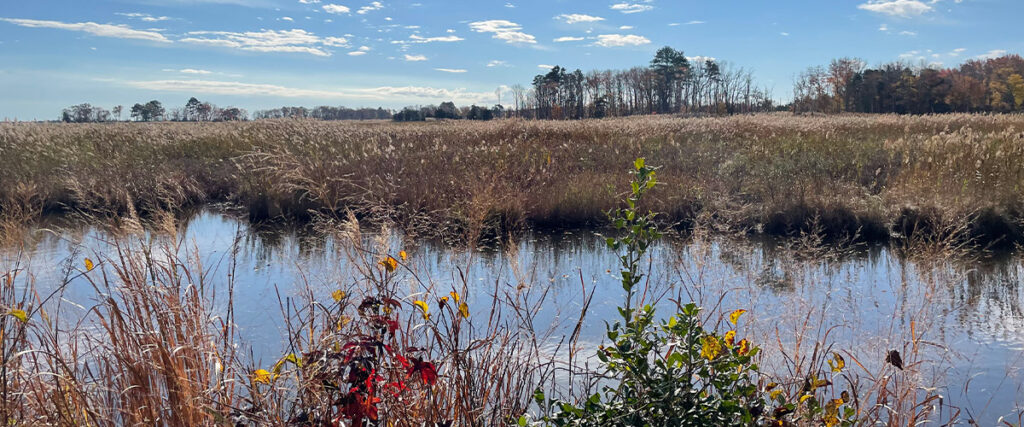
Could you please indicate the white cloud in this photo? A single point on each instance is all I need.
(415, 58)
(900, 8)
(501, 29)
(309, 1)
(419, 40)
(335, 41)
(631, 7)
(908, 33)
(784, 34)
(626, 27)
(497, 63)
(619, 40)
(573, 18)
(100, 30)
(568, 39)
(294, 41)
(992, 54)
(194, 71)
(674, 24)
(359, 52)
(287, 18)
(883, 27)
(336, 8)
(145, 17)
(699, 58)
(383, 93)
(957, 51)
(545, 66)
(695, 22)
(371, 7)
(451, 70)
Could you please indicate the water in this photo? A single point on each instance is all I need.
(967, 314)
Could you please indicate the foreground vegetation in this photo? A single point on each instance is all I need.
(384, 346)
(848, 177)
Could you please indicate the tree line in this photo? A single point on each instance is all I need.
(448, 110)
(848, 85)
(193, 111)
(671, 83)
(324, 113)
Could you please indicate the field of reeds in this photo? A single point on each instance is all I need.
(870, 178)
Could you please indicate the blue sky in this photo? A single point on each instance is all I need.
(265, 53)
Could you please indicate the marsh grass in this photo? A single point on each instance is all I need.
(873, 177)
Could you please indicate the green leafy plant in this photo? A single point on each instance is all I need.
(673, 372)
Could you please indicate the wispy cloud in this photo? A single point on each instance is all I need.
(631, 7)
(370, 8)
(415, 58)
(568, 39)
(899, 8)
(100, 30)
(145, 17)
(545, 66)
(573, 18)
(497, 63)
(359, 52)
(695, 22)
(992, 54)
(415, 39)
(451, 70)
(620, 40)
(501, 29)
(383, 93)
(294, 41)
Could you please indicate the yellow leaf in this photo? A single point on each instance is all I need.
(730, 338)
(464, 310)
(19, 314)
(775, 394)
(744, 347)
(338, 295)
(455, 296)
(403, 255)
(838, 364)
(389, 263)
(710, 347)
(771, 386)
(423, 306)
(261, 376)
(735, 315)
(88, 264)
(804, 397)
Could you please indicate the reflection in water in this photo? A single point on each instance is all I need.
(970, 313)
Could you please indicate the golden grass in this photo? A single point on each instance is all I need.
(870, 177)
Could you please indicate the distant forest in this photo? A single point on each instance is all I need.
(673, 83)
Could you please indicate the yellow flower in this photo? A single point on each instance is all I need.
(730, 338)
(403, 255)
(389, 263)
(88, 264)
(424, 307)
(710, 347)
(464, 310)
(735, 315)
(338, 295)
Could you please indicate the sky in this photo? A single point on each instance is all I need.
(258, 54)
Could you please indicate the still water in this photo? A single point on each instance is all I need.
(967, 314)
